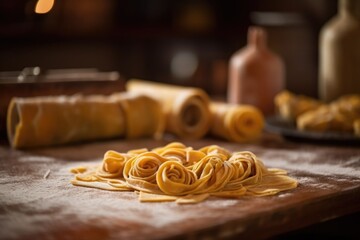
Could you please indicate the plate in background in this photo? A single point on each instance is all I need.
(288, 129)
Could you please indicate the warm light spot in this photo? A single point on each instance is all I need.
(44, 6)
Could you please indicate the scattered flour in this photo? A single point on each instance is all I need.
(293, 161)
(34, 205)
(36, 159)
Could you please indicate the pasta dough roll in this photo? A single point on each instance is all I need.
(143, 115)
(239, 123)
(43, 121)
(186, 109)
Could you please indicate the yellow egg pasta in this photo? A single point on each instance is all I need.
(43, 121)
(290, 105)
(339, 115)
(146, 109)
(179, 173)
(237, 123)
(143, 115)
(309, 114)
(151, 197)
(186, 109)
(46, 121)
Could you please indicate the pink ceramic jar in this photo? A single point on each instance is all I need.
(256, 74)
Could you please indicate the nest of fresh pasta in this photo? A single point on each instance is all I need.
(180, 173)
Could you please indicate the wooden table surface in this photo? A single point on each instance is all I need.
(34, 207)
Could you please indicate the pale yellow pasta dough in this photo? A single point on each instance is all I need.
(143, 115)
(43, 121)
(151, 197)
(237, 123)
(290, 105)
(339, 115)
(99, 185)
(192, 198)
(186, 109)
(185, 175)
(46, 121)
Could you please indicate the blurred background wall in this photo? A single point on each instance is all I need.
(184, 42)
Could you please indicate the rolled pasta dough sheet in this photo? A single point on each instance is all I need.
(186, 109)
(44, 121)
(143, 115)
(238, 123)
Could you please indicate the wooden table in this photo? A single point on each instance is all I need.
(34, 207)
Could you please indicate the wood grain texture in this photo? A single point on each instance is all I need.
(51, 208)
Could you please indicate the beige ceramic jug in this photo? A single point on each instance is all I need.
(256, 74)
(339, 53)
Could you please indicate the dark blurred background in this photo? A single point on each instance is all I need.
(184, 42)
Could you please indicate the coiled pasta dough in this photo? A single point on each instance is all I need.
(186, 109)
(147, 109)
(46, 121)
(237, 123)
(43, 121)
(179, 173)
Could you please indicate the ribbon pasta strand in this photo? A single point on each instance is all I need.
(185, 175)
